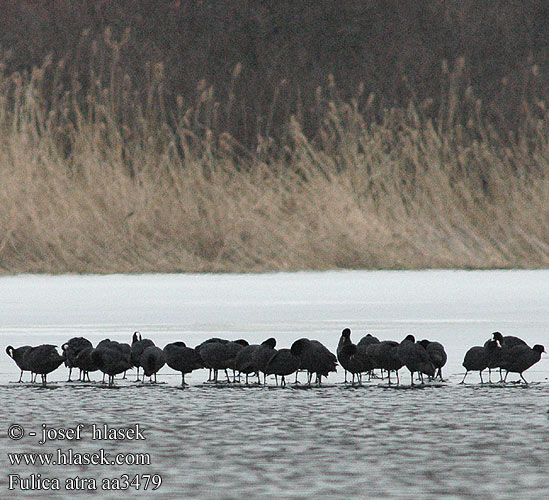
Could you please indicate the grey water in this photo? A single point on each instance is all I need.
(441, 440)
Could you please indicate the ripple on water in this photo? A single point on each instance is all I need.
(323, 443)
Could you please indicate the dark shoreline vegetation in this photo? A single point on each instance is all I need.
(112, 163)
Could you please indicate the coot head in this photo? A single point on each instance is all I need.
(269, 343)
(539, 348)
(497, 336)
(411, 338)
(346, 333)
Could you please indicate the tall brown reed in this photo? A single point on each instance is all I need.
(97, 176)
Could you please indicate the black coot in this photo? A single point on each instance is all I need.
(18, 355)
(71, 349)
(85, 363)
(183, 359)
(344, 340)
(504, 342)
(315, 358)
(199, 347)
(244, 362)
(369, 340)
(494, 360)
(353, 358)
(437, 354)
(233, 349)
(43, 360)
(263, 355)
(385, 356)
(283, 362)
(246, 359)
(112, 358)
(139, 344)
(519, 358)
(478, 358)
(221, 356)
(415, 357)
(152, 359)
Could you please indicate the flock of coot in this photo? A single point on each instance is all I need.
(507, 353)
(423, 358)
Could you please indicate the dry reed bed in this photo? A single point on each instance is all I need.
(107, 179)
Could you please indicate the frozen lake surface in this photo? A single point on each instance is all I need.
(443, 440)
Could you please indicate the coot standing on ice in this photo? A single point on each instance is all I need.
(344, 340)
(505, 342)
(199, 347)
(18, 355)
(415, 357)
(494, 358)
(221, 355)
(263, 355)
(437, 354)
(353, 358)
(244, 363)
(85, 362)
(246, 359)
(139, 344)
(315, 358)
(385, 356)
(43, 359)
(152, 359)
(478, 358)
(283, 362)
(519, 358)
(233, 348)
(112, 358)
(71, 349)
(183, 359)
